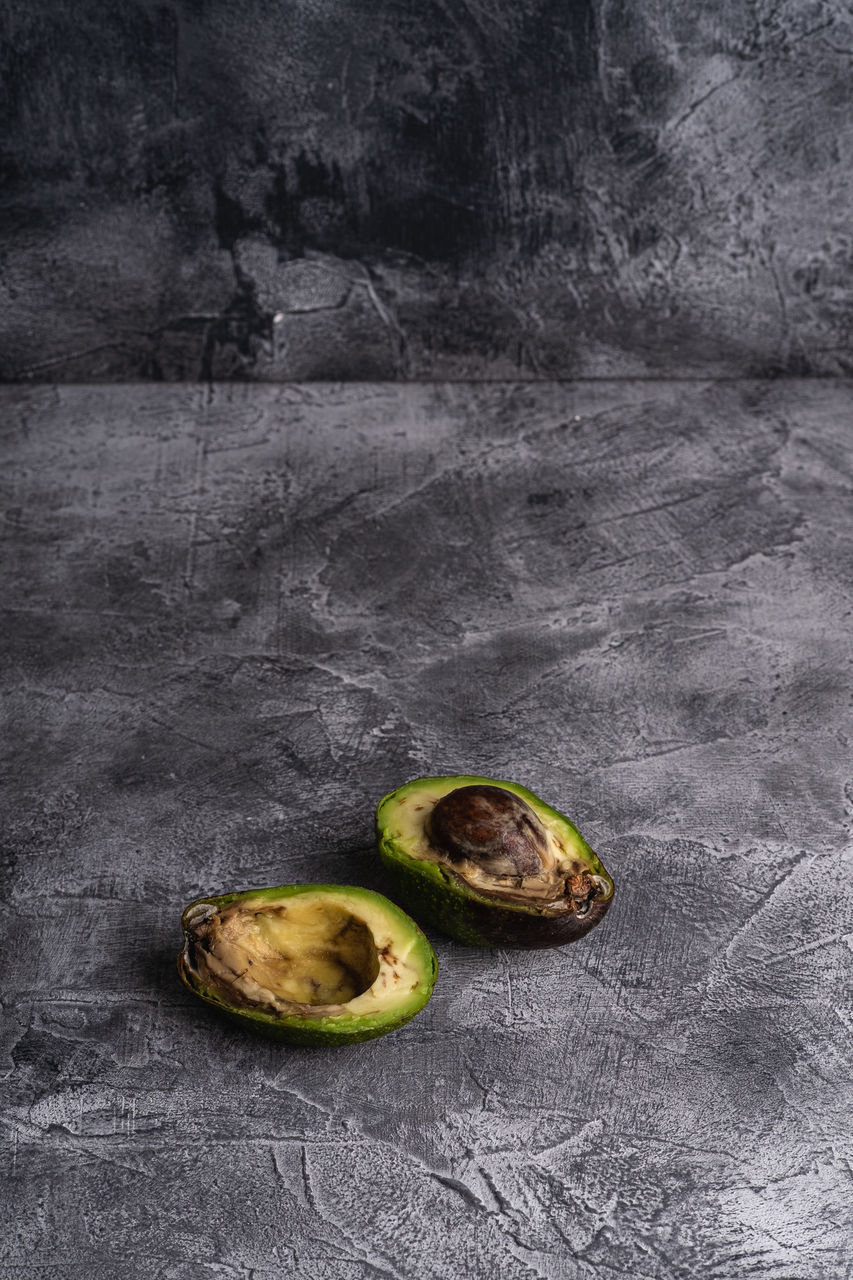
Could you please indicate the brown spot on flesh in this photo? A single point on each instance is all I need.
(583, 890)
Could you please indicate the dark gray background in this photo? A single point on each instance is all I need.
(441, 189)
(232, 619)
(234, 616)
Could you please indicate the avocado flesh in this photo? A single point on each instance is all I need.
(566, 897)
(313, 964)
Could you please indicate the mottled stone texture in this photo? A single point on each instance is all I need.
(233, 619)
(380, 189)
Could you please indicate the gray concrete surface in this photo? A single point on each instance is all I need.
(442, 189)
(232, 619)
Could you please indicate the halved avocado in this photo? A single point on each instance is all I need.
(489, 863)
(310, 964)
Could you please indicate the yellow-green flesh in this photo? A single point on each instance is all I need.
(313, 955)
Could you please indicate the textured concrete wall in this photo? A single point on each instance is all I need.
(343, 189)
(232, 618)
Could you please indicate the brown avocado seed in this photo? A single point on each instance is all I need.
(490, 827)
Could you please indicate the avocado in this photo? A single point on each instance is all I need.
(310, 964)
(489, 863)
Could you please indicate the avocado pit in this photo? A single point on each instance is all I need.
(494, 841)
(490, 827)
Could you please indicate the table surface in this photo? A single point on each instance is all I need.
(232, 619)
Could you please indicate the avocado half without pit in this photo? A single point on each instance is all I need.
(490, 864)
(308, 964)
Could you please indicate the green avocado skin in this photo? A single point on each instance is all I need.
(313, 1032)
(441, 899)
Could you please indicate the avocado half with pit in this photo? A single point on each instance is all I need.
(490, 864)
(310, 964)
